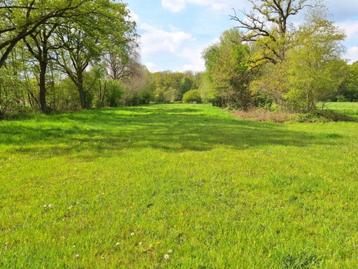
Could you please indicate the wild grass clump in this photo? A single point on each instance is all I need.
(324, 116)
(333, 112)
(265, 115)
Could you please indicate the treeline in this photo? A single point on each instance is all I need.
(266, 62)
(60, 55)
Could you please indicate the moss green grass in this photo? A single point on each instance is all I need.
(177, 186)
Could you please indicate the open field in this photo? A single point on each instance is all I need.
(349, 109)
(177, 186)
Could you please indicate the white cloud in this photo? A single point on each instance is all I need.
(195, 61)
(352, 54)
(154, 40)
(350, 28)
(156, 44)
(179, 5)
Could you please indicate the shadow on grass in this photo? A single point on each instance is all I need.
(100, 132)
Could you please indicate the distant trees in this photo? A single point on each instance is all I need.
(60, 55)
(171, 86)
(348, 91)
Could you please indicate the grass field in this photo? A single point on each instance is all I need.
(177, 186)
(349, 109)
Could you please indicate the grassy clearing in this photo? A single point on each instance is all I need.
(177, 186)
(349, 109)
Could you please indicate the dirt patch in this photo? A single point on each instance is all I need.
(264, 115)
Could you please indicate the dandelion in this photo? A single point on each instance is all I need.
(132, 234)
(166, 257)
(140, 243)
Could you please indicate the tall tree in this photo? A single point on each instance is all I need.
(21, 18)
(40, 45)
(78, 50)
(267, 26)
(315, 68)
(84, 43)
(228, 67)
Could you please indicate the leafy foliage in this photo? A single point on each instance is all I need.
(192, 96)
(228, 68)
(315, 70)
(348, 91)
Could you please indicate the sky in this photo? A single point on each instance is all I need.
(174, 33)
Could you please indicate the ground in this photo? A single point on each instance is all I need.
(177, 186)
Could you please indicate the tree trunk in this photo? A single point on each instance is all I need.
(42, 86)
(81, 91)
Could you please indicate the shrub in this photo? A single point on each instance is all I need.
(192, 96)
(115, 91)
(341, 98)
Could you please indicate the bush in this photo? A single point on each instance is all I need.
(341, 98)
(115, 91)
(323, 116)
(192, 96)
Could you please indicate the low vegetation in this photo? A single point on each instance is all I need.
(171, 186)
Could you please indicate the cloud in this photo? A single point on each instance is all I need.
(350, 28)
(154, 40)
(195, 61)
(179, 5)
(174, 45)
(352, 54)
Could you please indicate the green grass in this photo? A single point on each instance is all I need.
(177, 186)
(349, 109)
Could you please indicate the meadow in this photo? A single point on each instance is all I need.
(177, 186)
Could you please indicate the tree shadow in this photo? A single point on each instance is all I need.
(95, 133)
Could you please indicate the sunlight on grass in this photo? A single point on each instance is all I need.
(176, 186)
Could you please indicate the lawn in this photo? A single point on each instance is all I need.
(177, 186)
(349, 109)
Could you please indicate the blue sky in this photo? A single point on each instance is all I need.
(174, 33)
